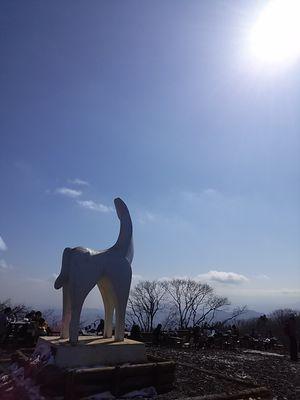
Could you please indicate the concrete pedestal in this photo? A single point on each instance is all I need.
(93, 351)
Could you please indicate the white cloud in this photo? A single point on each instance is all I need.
(91, 205)
(3, 246)
(78, 181)
(223, 277)
(68, 192)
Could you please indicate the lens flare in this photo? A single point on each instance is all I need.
(275, 37)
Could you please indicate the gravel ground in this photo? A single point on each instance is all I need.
(275, 372)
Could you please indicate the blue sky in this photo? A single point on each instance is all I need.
(159, 103)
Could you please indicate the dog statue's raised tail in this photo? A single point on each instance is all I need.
(124, 243)
(110, 270)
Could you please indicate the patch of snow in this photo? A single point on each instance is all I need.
(263, 353)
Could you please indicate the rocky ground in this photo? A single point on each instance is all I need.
(273, 371)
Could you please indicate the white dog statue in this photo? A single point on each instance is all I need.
(110, 269)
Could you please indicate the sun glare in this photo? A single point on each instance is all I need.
(275, 37)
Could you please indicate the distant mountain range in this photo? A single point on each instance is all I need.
(249, 314)
(90, 315)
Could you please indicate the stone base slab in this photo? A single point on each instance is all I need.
(93, 351)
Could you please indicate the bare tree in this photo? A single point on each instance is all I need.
(208, 308)
(171, 319)
(53, 319)
(281, 316)
(18, 310)
(145, 301)
(236, 312)
(189, 297)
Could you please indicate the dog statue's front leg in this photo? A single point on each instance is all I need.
(64, 334)
(77, 300)
(74, 324)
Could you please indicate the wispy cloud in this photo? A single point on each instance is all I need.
(92, 205)
(210, 192)
(52, 278)
(23, 167)
(289, 292)
(223, 277)
(254, 292)
(170, 278)
(137, 277)
(78, 181)
(197, 196)
(4, 265)
(68, 192)
(3, 246)
(263, 277)
(34, 280)
(146, 216)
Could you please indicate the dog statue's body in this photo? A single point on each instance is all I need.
(82, 269)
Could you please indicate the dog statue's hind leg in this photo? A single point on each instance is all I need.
(120, 281)
(120, 321)
(109, 306)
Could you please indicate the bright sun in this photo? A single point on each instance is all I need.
(275, 37)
